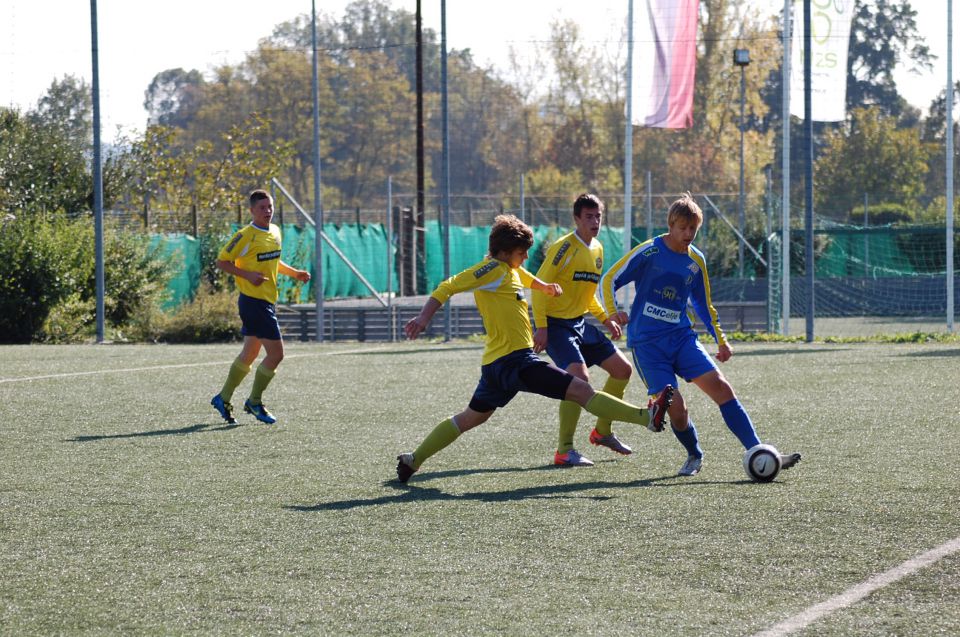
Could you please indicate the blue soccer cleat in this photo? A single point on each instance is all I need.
(225, 409)
(259, 412)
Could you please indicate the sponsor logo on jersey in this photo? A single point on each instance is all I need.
(650, 251)
(562, 251)
(586, 276)
(669, 293)
(661, 313)
(486, 269)
(268, 256)
(233, 242)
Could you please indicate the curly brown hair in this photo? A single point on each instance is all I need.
(509, 233)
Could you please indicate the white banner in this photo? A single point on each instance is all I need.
(830, 40)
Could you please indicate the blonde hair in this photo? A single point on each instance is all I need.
(685, 208)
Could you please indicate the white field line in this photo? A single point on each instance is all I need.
(856, 593)
(157, 367)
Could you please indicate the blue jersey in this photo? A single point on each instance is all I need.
(666, 282)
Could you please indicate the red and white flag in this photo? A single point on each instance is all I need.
(664, 64)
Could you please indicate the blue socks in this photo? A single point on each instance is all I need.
(688, 438)
(739, 423)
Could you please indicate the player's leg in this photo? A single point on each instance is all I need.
(564, 338)
(238, 371)
(566, 455)
(654, 363)
(441, 437)
(619, 371)
(715, 385)
(268, 330)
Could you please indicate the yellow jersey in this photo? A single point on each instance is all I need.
(498, 291)
(257, 250)
(577, 267)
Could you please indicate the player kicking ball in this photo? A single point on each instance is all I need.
(668, 272)
(509, 363)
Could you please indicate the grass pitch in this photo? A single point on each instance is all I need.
(126, 506)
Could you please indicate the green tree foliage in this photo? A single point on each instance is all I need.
(869, 155)
(173, 97)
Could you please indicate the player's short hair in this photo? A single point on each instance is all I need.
(588, 201)
(509, 233)
(258, 195)
(685, 208)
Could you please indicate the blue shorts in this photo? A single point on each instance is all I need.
(518, 371)
(659, 360)
(576, 341)
(259, 318)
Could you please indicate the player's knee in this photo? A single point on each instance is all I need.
(579, 391)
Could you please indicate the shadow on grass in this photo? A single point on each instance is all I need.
(182, 431)
(414, 493)
(942, 353)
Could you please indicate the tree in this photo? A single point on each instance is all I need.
(67, 106)
(869, 155)
(173, 97)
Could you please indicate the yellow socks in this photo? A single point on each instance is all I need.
(569, 415)
(615, 387)
(607, 406)
(260, 381)
(441, 436)
(238, 371)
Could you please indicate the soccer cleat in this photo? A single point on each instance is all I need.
(610, 442)
(657, 408)
(789, 460)
(405, 467)
(571, 458)
(225, 409)
(259, 412)
(691, 467)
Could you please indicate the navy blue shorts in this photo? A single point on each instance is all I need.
(259, 318)
(576, 341)
(518, 371)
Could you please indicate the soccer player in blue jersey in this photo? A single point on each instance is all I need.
(668, 272)
(252, 256)
(509, 362)
(575, 262)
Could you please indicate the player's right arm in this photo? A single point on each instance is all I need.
(487, 272)
(628, 268)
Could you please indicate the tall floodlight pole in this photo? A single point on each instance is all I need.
(317, 201)
(785, 174)
(741, 57)
(628, 140)
(949, 132)
(808, 161)
(421, 198)
(97, 174)
(445, 161)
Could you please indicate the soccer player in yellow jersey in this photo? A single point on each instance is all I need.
(252, 256)
(509, 362)
(575, 261)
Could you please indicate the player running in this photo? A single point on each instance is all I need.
(509, 362)
(668, 272)
(575, 262)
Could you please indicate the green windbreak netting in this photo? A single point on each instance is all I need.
(468, 245)
(182, 252)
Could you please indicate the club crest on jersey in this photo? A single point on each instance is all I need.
(586, 276)
(562, 251)
(599, 263)
(486, 269)
(669, 293)
(268, 256)
(693, 267)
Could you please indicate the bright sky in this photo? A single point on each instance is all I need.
(41, 41)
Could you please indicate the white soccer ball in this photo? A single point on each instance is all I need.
(762, 463)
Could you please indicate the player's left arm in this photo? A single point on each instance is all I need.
(703, 306)
(288, 270)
